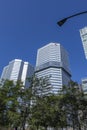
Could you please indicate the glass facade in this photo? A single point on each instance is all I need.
(52, 61)
(83, 34)
(17, 70)
(84, 85)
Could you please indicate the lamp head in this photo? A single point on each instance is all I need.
(61, 22)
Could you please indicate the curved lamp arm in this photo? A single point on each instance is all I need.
(61, 22)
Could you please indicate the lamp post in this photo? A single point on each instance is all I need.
(62, 21)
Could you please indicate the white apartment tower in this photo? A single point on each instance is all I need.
(17, 70)
(84, 85)
(52, 61)
(83, 34)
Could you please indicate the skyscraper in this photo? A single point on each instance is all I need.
(52, 61)
(83, 34)
(84, 85)
(17, 70)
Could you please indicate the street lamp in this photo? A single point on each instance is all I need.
(61, 22)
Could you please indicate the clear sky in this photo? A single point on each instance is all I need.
(26, 25)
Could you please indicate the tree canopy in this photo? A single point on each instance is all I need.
(31, 106)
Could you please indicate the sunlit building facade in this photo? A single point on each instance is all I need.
(83, 34)
(84, 85)
(17, 70)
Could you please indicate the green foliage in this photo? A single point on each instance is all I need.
(9, 104)
(19, 106)
(74, 105)
(46, 112)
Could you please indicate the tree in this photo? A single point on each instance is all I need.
(73, 103)
(48, 113)
(38, 87)
(9, 104)
(16, 101)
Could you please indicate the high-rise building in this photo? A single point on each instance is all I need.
(83, 34)
(52, 61)
(17, 70)
(84, 85)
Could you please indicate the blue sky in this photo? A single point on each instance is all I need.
(26, 25)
